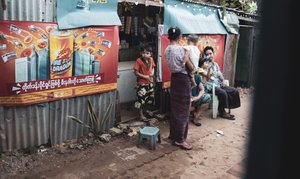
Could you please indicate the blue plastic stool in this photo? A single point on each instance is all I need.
(150, 133)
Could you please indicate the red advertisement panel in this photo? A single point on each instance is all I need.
(216, 41)
(40, 63)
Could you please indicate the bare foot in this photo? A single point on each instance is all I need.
(144, 119)
(197, 116)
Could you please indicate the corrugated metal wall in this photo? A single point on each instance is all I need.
(29, 10)
(28, 126)
(22, 127)
(62, 128)
(244, 63)
(230, 57)
(34, 125)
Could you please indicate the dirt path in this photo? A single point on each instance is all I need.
(214, 156)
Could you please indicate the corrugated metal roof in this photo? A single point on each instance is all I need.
(29, 10)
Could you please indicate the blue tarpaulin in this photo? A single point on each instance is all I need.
(192, 18)
(81, 13)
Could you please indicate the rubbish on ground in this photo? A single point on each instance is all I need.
(219, 132)
(105, 137)
(115, 131)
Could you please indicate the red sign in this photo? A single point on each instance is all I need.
(40, 63)
(216, 41)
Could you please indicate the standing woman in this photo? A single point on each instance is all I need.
(180, 94)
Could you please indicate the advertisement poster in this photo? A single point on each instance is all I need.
(40, 63)
(81, 13)
(216, 41)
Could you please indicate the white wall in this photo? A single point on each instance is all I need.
(126, 82)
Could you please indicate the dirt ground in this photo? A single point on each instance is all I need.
(214, 155)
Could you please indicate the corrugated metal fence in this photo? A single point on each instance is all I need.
(33, 125)
(29, 10)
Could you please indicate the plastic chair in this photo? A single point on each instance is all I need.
(215, 103)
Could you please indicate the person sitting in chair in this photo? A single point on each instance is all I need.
(228, 96)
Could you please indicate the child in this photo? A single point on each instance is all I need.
(194, 54)
(204, 71)
(144, 71)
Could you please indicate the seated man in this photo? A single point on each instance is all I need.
(228, 97)
(200, 100)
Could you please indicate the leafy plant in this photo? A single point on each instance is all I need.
(252, 7)
(249, 6)
(95, 121)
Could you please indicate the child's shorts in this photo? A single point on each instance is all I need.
(145, 94)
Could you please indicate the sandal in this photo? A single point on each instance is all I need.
(227, 116)
(144, 119)
(150, 113)
(196, 122)
(231, 115)
(183, 145)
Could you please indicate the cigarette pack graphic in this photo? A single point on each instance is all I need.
(84, 63)
(32, 60)
(100, 34)
(96, 67)
(9, 56)
(29, 68)
(43, 64)
(77, 63)
(106, 43)
(92, 59)
(85, 55)
(61, 57)
(100, 52)
(21, 70)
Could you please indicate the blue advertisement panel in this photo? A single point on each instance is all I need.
(81, 13)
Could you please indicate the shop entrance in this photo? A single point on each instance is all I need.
(139, 28)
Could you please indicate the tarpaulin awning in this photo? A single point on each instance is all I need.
(231, 23)
(192, 18)
(81, 13)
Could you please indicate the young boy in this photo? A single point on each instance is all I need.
(194, 54)
(205, 73)
(144, 71)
